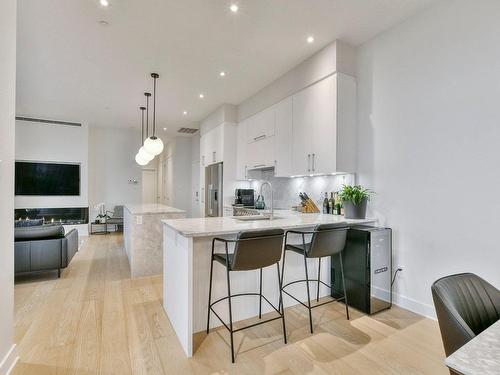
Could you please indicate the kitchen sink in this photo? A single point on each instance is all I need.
(256, 218)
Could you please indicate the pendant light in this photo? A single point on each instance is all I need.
(142, 157)
(153, 144)
(144, 154)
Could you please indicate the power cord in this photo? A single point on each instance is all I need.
(394, 277)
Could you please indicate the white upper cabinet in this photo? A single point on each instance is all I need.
(310, 132)
(314, 128)
(260, 125)
(212, 146)
(283, 138)
(241, 151)
(324, 127)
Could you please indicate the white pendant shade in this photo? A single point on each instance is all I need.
(153, 145)
(139, 160)
(145, 155)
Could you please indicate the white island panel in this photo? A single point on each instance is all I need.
(143, 236)
(187, 252)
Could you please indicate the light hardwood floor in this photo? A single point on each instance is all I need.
(96, 320)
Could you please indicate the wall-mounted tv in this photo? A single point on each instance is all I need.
(38, 178)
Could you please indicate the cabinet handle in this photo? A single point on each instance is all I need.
(309, 162)
(314, 159)
(246, 168)
(259, 137)
(213, 156)
(203, 160)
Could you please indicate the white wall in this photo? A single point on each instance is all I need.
(112, 167)
(335, 57)
(224, 113)
(50, 142)
(7, 130)
(429, 142)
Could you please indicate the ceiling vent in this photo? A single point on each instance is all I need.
(187, 130)
(31, 119)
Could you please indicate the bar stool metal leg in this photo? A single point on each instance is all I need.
(282, 278)
(210, 286)
(308, 294)
(343, 284)
(281, 307)
(319, 278)
(260, 294)
(230, 312)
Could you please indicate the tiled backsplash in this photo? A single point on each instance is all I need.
(286, 190)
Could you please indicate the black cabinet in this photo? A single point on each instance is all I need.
(367, 260)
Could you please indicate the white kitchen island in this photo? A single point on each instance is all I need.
(186, 264)
(142, 233)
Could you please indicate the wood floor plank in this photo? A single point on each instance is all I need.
(97, 320)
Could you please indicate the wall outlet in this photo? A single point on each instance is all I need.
(138, 220)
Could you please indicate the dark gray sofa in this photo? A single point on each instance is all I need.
(43, 248)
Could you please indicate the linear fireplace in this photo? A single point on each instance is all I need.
(66, 215)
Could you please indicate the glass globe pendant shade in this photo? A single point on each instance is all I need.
(153, 145)
(145, 155)
(139, 160)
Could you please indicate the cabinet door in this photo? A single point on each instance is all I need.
(261, 125)
(203, 151)
(260, 154)
(302, 107)
(241, 151)
(218, 144)
(324, 126)
(283, 138)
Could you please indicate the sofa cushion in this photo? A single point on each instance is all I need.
(28, 223)
(41, 232)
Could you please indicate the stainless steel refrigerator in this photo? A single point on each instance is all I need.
(213, 190)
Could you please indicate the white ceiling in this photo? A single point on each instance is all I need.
(70, 67)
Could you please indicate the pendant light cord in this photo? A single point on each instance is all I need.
(154, 104)
(147, 94)
(142, 127)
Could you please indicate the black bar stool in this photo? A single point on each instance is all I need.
(327, 240)
(254, 250)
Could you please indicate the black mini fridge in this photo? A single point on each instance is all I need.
(367, 261)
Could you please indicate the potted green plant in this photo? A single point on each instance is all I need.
(354, 199)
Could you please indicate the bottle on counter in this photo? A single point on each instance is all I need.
(331, 204)
(338, 204)
(325, 204)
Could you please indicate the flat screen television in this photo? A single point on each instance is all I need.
(38, 178)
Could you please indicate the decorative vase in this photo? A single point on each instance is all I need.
(355, 211)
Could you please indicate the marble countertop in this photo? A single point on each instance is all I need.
(480, 356)
(215, 226)
(151, 208)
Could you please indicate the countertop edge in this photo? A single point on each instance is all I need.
(189, 234)
(167, 210)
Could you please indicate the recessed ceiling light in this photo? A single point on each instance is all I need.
(104, 3)
(202, 96)
(234, 8)
(222, 74)
(164, 129)
(185, 113)
(310, 39)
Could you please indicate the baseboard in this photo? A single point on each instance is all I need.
(413, 305)
(9, 361)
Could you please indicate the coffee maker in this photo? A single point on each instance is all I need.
(244, 197)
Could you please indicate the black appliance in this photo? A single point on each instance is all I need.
(245, 197)
(367, 261)
(36, 178)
